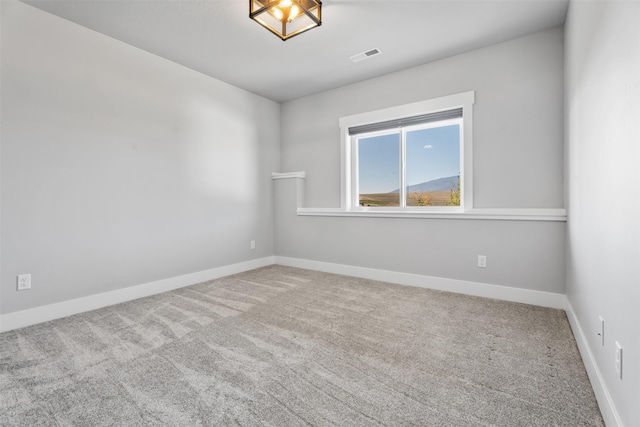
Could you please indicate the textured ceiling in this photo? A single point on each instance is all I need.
(217, 38)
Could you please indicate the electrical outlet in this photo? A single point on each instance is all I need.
(601, 330)
(252, 244)
(619, 359)
(24, 282)
(482, 261)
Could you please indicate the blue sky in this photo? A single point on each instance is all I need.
(431, 154)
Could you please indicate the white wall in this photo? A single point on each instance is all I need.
(518, 122)
(121, 168)
(518, 163)
(603, 181)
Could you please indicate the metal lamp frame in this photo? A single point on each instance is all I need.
(282, 32)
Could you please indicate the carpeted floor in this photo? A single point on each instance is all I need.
(280, 346)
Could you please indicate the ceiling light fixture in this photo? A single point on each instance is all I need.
(286, 18)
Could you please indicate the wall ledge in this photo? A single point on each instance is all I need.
(482, 214)
(504, 214)
(287, 175)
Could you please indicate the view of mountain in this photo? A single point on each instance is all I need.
(440, 184)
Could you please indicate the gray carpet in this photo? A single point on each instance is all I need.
(280, 346)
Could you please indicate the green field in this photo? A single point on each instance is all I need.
(436, 198)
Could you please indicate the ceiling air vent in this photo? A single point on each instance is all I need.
(365, 55)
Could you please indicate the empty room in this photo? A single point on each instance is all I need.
(320, 213)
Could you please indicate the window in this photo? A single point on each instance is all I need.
(412, 157)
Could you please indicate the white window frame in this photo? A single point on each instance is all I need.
(349, 157)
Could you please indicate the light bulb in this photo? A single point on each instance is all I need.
(277, 13)
(285, 3)
(293, 13)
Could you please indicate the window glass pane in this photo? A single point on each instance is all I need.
(379, 170)
(433, 166)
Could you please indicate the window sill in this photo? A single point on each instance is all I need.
(482, 214)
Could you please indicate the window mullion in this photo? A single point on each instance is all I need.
(403, 169)
(355, 193)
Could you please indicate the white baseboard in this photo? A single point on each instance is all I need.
(32, 316)
(505, 293)
(45, 313)
(605, 402)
